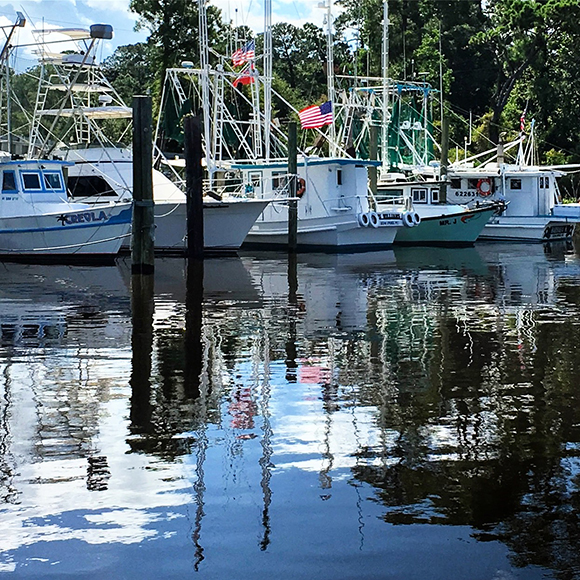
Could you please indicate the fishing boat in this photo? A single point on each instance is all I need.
(427, 220)
(37, 221)
(532, 207)
(333, 205)
(244, 145)
(103, 168)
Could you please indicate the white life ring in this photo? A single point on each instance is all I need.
(416, 218)
(408, 219)
(363, 220)
(374, 219)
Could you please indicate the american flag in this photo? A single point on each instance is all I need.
(244, 54)
(316, 116)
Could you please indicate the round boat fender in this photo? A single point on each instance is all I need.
(416, 218)
(374, 219)
(484, 187)
(300, 187)
(363, 220)
(408, 219)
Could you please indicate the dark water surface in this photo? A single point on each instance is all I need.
(398, 415)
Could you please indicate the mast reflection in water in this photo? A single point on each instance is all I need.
(411, 414)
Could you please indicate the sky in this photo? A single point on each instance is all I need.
(83, 13)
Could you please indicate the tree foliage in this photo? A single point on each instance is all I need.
(493, 59)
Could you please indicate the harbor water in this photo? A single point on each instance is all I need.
(409, 414)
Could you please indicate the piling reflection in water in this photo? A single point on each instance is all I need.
(415, 411)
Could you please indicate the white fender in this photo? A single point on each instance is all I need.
(363, 219)
(416, 218)
(374, 219)
(408, 219)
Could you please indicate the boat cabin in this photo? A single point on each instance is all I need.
(31, 181)
(528, 191)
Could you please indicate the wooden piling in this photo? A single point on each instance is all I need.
(143, 228)
(293, 176)
(142, 308)
(194, 187)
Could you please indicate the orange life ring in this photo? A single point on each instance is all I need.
(300, 187)
(484, 187)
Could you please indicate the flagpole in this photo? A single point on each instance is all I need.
(330, 73)
(267, 75)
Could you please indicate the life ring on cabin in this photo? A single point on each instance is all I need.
(484, 187)
(300, 187)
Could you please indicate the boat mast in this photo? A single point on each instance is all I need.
(204, 65)
(267, 75)
(385, 79)
(330, 73)
(4, 63)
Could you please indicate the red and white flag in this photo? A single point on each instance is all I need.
(316, 116)
(246, 77)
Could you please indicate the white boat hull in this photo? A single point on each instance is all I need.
(225, 224)
(90, 232)
(323, 233)
(527, 229)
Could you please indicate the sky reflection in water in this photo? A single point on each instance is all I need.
(407, 414)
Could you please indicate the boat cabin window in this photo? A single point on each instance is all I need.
(279, 181)
(434, 196)
(339, 177)
(31, 181)
(544, 182)
(390, 195)
(455, 183)
(419, 195)
(515, 183)
(472, 183)
(89, 186)
(8, 181)
(52, 181)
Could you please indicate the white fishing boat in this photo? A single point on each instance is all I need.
(532, 203)
(38, 222)
(334, 212)
(244, 145)
(103, 169)
(100, 173)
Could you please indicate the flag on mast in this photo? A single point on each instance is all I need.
(244, 54)
(246, 76)
(316, 116)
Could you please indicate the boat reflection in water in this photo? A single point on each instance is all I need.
(404, 414)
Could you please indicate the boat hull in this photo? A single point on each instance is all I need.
(457, 229)
(225, 225)
(527, 229)
(322, 234)
(75, 233)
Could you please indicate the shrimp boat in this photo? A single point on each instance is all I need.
(37, 221)
(74, 130)
(245, 145)
(532, 207)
